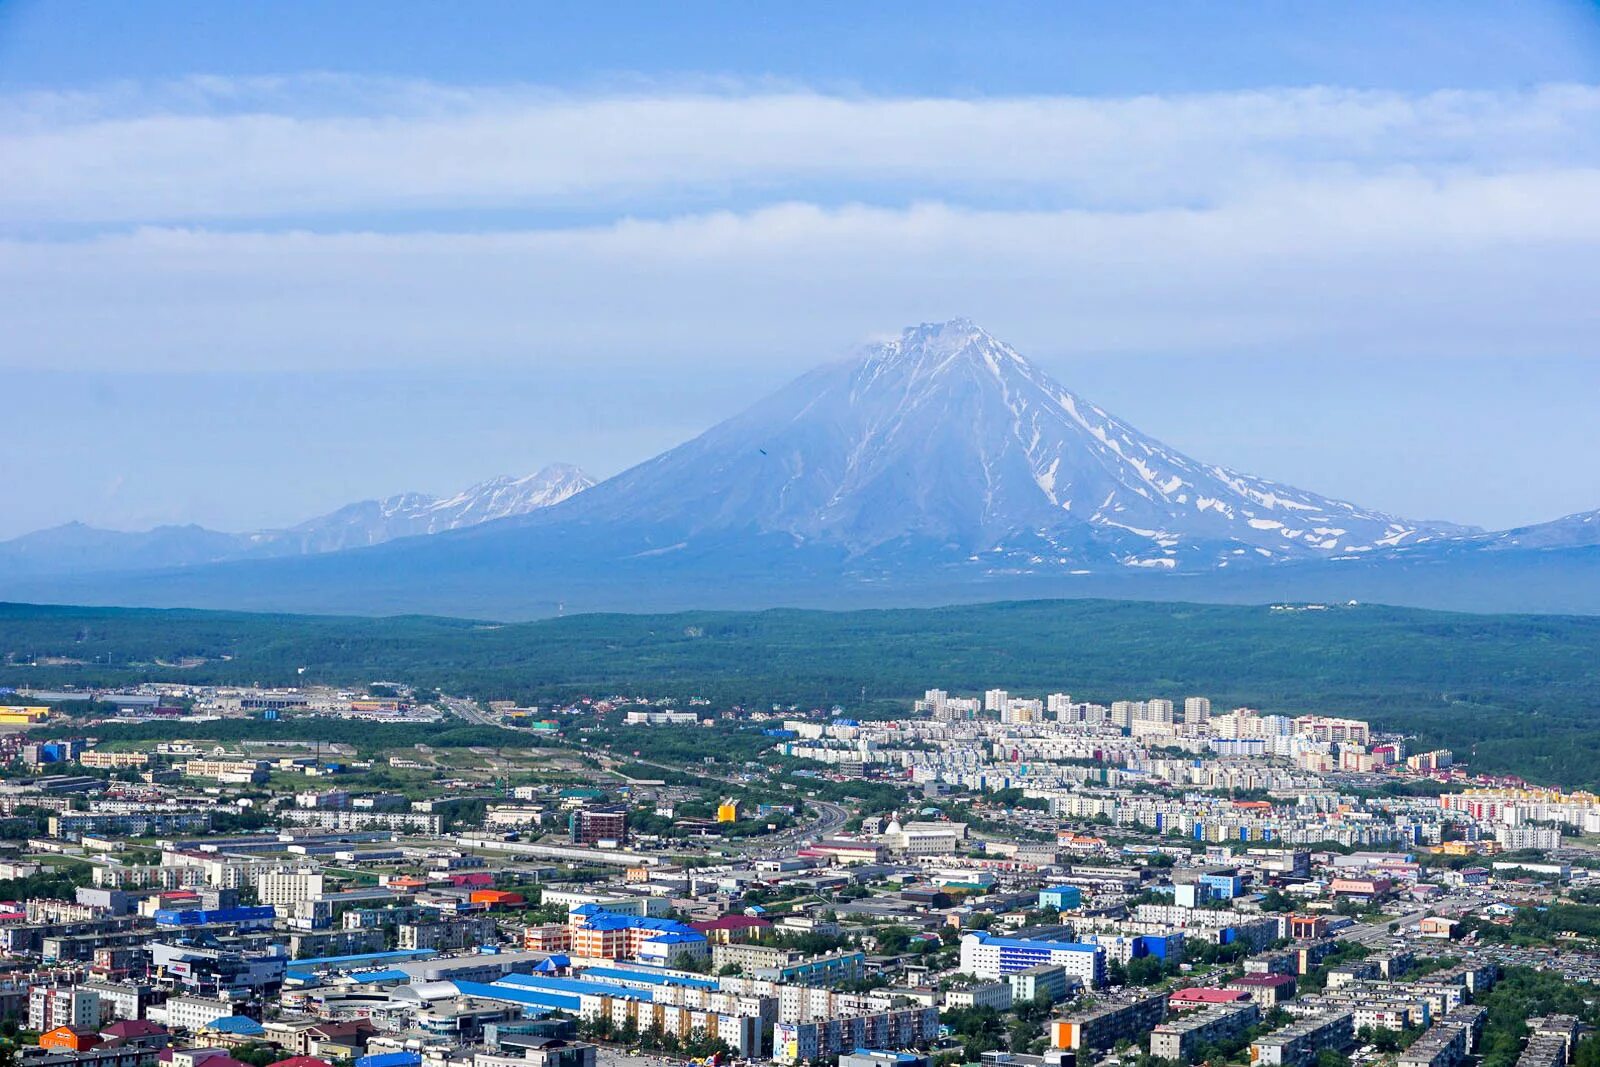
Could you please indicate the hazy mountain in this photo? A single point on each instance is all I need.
(937, 467)
(1572, 531)
(79, 549)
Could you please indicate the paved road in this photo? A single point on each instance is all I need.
(1374, 934)
(469, 710)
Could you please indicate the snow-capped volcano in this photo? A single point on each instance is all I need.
(948, 439)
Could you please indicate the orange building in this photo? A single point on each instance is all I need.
(496, 898)
(68, 1039)
(606, 935)
(406, 882)
(548, 937)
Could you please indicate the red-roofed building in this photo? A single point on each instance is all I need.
(469, 880)
(141, 1032)
(1203, 996)
(730, 928)
(336, 1040)
(297, 1061)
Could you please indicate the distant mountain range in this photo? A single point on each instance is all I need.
(76, 549)
(940, 466)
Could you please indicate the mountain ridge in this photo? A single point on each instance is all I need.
(937, 467)
(80, 548)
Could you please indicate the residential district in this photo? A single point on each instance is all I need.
(209, 877)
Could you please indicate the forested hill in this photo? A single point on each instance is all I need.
(1525, 690)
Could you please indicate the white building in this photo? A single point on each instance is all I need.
(987, 956)
(191, 1013)
(996, 995)
(53, 1006)
(289, 887)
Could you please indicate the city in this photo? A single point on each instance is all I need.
(989, 877)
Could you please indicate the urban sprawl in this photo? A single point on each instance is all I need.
(991, 879)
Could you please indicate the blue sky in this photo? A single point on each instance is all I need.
(259, 259)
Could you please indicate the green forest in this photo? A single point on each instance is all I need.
(1514, 694)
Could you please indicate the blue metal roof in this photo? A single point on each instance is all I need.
(610, 920)
(199, 917)
(236, 1024)
(362, 957)
(390, 975)
(651, 977)
(390, 1059)
(1021, 942)
(531, 998)
(570, 985)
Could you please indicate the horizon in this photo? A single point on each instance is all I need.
(1298, 244)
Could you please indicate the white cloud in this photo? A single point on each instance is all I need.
(229, 222)
(212, 149)
(1401, 265)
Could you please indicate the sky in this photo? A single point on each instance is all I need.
(258, 260)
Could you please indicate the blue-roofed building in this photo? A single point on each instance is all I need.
(873, 1057)
(249, 918)
(390, 1059)
(388, 974)
(665, 950)
(577, 986)
(988, 956)
(541, 993)
(236, 1026)
(633, 978)
(361, 959)
(610, 935)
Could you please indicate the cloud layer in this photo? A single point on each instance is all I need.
(331, 222)
(214, 149)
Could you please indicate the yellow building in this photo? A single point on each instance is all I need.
(728, 811)
(23, 715)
